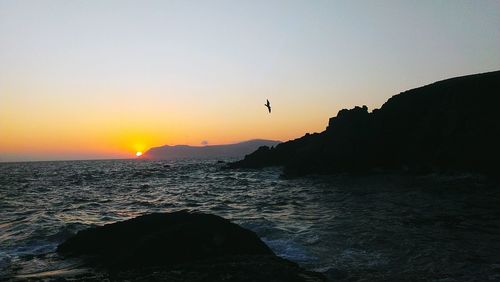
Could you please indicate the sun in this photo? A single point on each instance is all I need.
(138, 154)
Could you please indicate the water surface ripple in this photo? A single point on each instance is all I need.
(367, 228)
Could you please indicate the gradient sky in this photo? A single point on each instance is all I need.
(104, 79)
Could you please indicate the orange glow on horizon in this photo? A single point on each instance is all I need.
(113, 127)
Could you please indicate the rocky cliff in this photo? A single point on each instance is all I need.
(448, 125)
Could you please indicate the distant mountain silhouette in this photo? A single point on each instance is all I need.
(452, 124)
(237, 150)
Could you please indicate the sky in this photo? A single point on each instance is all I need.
(105, 79)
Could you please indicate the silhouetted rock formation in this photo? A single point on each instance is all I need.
(448, 125)
(237, 150)
(181, 246)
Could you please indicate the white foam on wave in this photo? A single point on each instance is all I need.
(289, 249)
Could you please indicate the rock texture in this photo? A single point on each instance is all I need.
(180, 246)
(452, 124)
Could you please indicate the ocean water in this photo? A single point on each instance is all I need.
(356, 228)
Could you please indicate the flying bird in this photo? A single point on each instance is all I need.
(268, 105)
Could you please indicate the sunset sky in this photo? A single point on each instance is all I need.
(105, 79)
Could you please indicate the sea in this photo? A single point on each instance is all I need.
(377, 227)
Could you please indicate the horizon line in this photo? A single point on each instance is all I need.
(133, 157)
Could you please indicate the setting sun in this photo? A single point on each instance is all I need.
(138, 154)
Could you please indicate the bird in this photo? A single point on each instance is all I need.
(268, 105)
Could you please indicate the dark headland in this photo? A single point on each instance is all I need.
(237, 150)
(450, 125)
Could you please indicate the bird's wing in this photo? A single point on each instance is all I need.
(268, 105)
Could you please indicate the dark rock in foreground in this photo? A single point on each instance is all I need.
(180, 246)
(248, 268)
(450, 125)
(164, 239)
